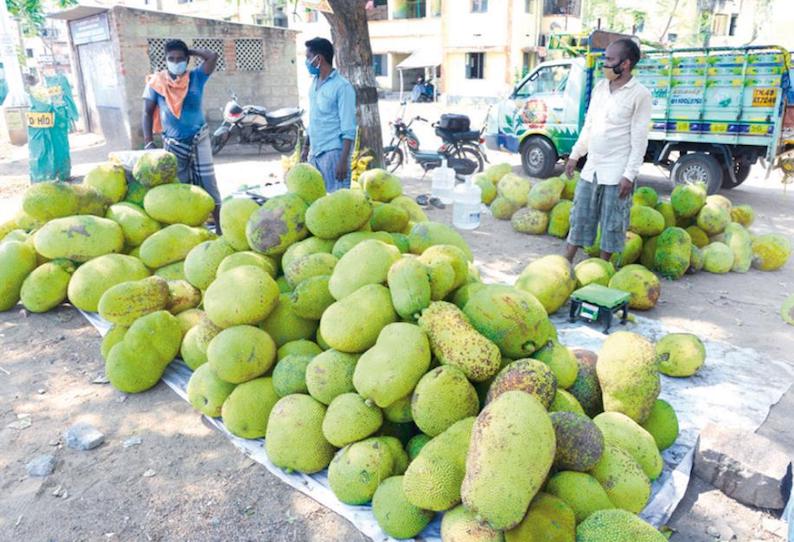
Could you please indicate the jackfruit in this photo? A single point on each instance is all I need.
(548, 518)
(623, 432)
(358, 469)
(416, 444)
(354, 323)
(113, 337)
(349, 240)
(126, 302)
(646, 221)
(330, 374)
(171, 244)
(94, 278)
(642, 284)
(586, 388)
(738, 239)
(527, 375)
(306, 181)
(662, 424)
(158, 331)
(579, 441)
(109, 180)
(301, 347)
(632, 250)
(389, 218)
(593, 271)
(560, 219)
(380, 185)
(514, 188)
(284, 324)
(294, 439)
(413, 209)
(194, 345)
(580, 491)
(545, 195)
(202, 262)
(503, 208)
(623, 479)
(366, 263)
(771, 251)
(172, 271)
(667, 211)
(395, 515)
(564, 401)
(399, 411)
(743, 214)
(442, 397)
(178, 203)
(189, 319)
(699, 238)
(133, 371)
(45, 287)
(17, 261)
(136, 225)
(409, 286)
(425, 234)
(278, 223)
(234, 216)
(648, 256)
(487, 189)
(680, 354)
(688, 199)
(550, 279)
(616, 526)
(529, 220)
(49, 200)
(136, 192)
(254, 291)
(154, 168)
(241, 353)
(496, 172)
(289, 375)
(311, 297)
(717, 258)
(460, 525)
(336, 214)
(713, 219)
(560, 360)
(78, 238)
(673, 253)
(246, 410)
(350, 418)
(645, 196)
(311, 265)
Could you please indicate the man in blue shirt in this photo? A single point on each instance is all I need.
(172, 106)
(332, 117)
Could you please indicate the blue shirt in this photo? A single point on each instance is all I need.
(332, 113)
(192, 118)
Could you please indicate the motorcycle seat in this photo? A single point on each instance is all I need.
(447, 135)
(257, 110)
(280, 115)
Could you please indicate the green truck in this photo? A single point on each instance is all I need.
(715, 112)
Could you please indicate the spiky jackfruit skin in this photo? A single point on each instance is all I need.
(241, 353)
(560, 219)
(46, 201)
(586, 388)
(680, 354)
(623, 432)
(426, 234)
(548, 518)
(642, 284)
(616, 526)
(442, 397)
(688, 199)
(196, 341)
(78, 238)
(738, 239)
(399, 411)
(353, 323)
(178, 203)
(673, 253)
(294, 439)
(454, 341)
(550, 279)
(339, 213)
(45, 287)
(580, 491)
(645, 195)
(136, 225)
(503, 474)
(366, 263)
(527, 375)
(171, 244)
(433, 479)
(545, 195)
(410, 206)
(247, 409)
(503, 208)
(349, 419)
(770, 251)
(717, 258)
(306, 181)
(389, 218)
(560, 360)
(347, 242)
(646, 221)
(579, 441)
(628, 373)
(409, 286)
(94, 278)
(203, 260)
(593, 271)
(132, 371)
(289, 374)
(416, 444)
(743, 214)
(666, 208)
(395, 515)
(391, 369)
(623, 479)
(126, 302)
(713, 219)
(460, 525)
(234, 216)
(565, 402)
(531, 221)
(277, 224)
(662, 424)
(330, 374)
(514, 188)
(154, 168)
(511, 318)
(358, 469)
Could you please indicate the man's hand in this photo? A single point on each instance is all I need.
(570, 167)
(305, 154)
(625, 187)
(341, 170)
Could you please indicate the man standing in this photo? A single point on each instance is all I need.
(332, 117)
(172, 105)
(614, 138)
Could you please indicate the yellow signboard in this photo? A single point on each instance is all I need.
(41, 120)
(764, 97)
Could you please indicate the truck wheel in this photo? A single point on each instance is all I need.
(538, 157)
(698, 167)
(741, 170)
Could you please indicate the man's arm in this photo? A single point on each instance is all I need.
(147, 121)
(582, 142)
(305, 149)
(640, 126)
(210, 59)
(346, 104)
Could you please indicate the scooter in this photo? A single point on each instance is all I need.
(461, 146)
(255, 125)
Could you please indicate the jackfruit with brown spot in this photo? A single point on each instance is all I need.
(673, 253)
(527, 375)
(548, 518)
(642, 284)
(78, 238)
(196, 341)
(460, 525)
(330, 374)
(126, 302)
(545, 195)
(109, 180)
(312, 265)
(771, 251)
(277, 224)
(358, 469)
(201, 263)
(530, 221)
(154, 168)
(503, 208)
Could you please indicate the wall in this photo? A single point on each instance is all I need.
(273, 87)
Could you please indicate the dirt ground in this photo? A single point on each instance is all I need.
(185, 481)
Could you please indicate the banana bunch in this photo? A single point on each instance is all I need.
(360, 159)
(288, 162)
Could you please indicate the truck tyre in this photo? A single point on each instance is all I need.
(741, 170)
(698, 167)
(538, 157)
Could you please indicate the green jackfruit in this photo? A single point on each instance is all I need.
(399, 411)
(511, 318)
(311, 297)
(699, 238)
(171, 244)
(306, 181)
(410, 206)
(680, 354)
(241, 353)
(190, 318)
(178, 203)
(284, 324)
(514, 188)
(381, 185)
(460, 525)
(545, 195)
(154, 168)
(46, 201)
(207, 393)
(447, 269)
(289, 375)
(395, 515)
(487, 189)
(673, 253)
(645, 196)
(743, 214)
(136, 192)
(529, 220)
(564, 401)
(409, 286)
(688, 199)
(454, 341)
(570, 186)
(771, 251)
(623, 432)
(194, 346)
(294, 439)
(503, 474)
(616, 526)
(278, 223)
(345, 243)
(667, 211)
(696, 260)
(560, 360)
(158, 331)
(550, 279)
(109, 180)
(579, 441)
(401, 242)
(126, 302)
(234, 216)
(433, 479)
(646, 221)
(642, 284)
(503, 208)
(426, 234)
(580, 491)
(310, 245)
(717, 258)
(248, 257)
(311, 265)
(357, 470)
(713, 219)
(560, 219)
(95, 277)
(366, 263)
(113, 337)
(466, 292)
(247, 409)
(172, 271)
(720, 201)
(132, 371)
(350, 418)
(330, 374)
(201, 263)
(623, 479)
(442, 397)
(354, 323)
(593, 271)
(391, 369)
(136, 225)
(301, 347)
(416, 444)
(496, 172)
(336, 214)
(389, 218)
(548, 518)
(254, 291)
(648, 256)
(662, 424)
(632, 250)
(738, 239)
(45, 287)
(78, 238)
(398, 453)
(17, 261)
(182, 296)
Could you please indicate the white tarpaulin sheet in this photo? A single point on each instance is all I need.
(730, 389)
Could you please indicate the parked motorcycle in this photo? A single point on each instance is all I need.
(461, 146)
(255, 125)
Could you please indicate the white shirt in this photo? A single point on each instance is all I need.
(615, 132)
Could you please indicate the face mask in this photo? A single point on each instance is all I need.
(313, 70)
(612, 72)
(177, 68)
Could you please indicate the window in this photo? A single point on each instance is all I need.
(479, 6)
(732, 25)
(525, 64)
(379, 65)
(248, 54)
(547, 80)
(411, 9)
(381, 3)
(562, 7)
(529, 5)
(29, 53)
(720, 25)
(475, 65)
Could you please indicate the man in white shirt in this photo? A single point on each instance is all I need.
(614, 138)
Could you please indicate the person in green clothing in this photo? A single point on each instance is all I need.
(49, 119)
(3, 84)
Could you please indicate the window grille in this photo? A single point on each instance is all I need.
(249, 54)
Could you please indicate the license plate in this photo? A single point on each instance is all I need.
(41, 120)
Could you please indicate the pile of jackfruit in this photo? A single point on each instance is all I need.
(356, 336)
(689, 233)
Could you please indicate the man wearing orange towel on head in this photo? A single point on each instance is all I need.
(172, 106)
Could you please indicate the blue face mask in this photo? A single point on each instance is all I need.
(313, 70)
(177, 68)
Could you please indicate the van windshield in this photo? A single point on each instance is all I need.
(546, 80)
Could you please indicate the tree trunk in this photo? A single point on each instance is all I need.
(663, 36)
(353, 58)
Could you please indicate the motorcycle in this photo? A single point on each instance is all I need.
(255, 125)
(461, 147)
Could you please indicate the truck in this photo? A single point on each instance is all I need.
(715, 111)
